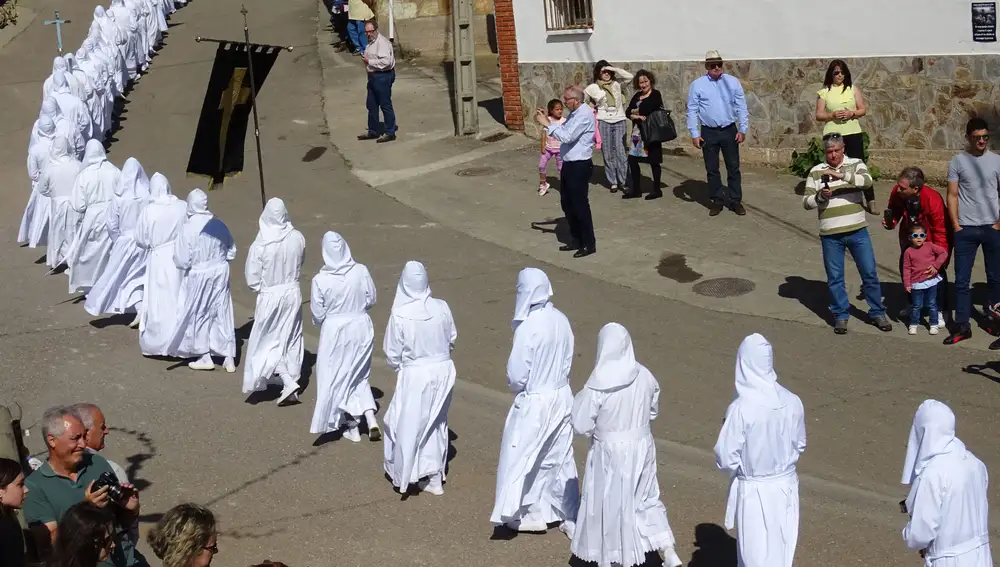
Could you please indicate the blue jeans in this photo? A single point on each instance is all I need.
(356, 31)
(860, 245)
(967, 242)
(924, 298)
(380, 96)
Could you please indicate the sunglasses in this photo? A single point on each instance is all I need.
(838, 73)
(984, 137)
(213, 548)
(918, 235)
(714, 65)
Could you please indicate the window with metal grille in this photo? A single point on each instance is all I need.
(569, 14)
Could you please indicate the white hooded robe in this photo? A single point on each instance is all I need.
(341, 295)
(273, 269)
(621, 517)
(92, 194)
(758, 447)
(418, 342)
(34, 229)
(56, 184)
(537, 481)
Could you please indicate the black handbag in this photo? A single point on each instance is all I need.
(658, 127)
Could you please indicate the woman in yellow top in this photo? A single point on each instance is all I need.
(358, 12)
(839, 105)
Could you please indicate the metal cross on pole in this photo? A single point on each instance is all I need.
(58, 23)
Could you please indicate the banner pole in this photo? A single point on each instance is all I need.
(253, 106)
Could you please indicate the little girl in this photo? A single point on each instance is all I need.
(921, 263)
(550, 147)
(12, 493)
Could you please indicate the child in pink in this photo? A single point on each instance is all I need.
(550, 147)
(921, 263)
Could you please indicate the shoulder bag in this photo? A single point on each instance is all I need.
(658, 127)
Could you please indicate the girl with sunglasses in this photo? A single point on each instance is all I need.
(921, 263)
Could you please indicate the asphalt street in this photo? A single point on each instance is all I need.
(187, 436)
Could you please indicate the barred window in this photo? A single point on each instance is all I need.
(569, 14)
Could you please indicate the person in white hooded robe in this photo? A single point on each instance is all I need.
(120, 287)
(340, 297)
(35, 220)
(948, 500)
(117, 69)
(56, 184)
(128, 25)
(92, 194)
(92, 95)
(102, 103)
(155, 231)
(758, 447)
(71, 106)
(273, 269)
(64, 127)
(203, 249)
(118, 39)
(621, 517)
(59, 64)
(418, 342)
(537, 482)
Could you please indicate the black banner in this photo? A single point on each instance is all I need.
(217, 152)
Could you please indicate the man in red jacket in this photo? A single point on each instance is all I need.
(913, 202)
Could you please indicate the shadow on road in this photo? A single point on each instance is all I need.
(558, 227)
(989, 370)
(714, 547)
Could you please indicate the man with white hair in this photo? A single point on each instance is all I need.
(537, 482)
(273, 269)
(948, 501)
(758, 447)
(203, 250)
(96, 427)
(576, 136)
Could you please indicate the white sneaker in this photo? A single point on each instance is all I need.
(352, 434)
(614, 186)
(543, 188)
(135, 322)
(229, 364)
(203, 363)
(934, 329)
(433, 485)
(912, 330)
(289, 393)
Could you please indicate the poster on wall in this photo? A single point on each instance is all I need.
(984, 22)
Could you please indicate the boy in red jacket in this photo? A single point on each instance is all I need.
(921, 263)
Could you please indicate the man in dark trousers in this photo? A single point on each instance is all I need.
(576, 137)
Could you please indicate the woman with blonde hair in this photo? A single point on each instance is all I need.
(185, 537)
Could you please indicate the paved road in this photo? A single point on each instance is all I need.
(190, 437)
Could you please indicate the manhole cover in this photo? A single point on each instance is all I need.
(724, 287)
(477, 171)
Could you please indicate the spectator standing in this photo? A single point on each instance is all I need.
(605, 95)
(834, 188)
(912, 202)
(717, 104)
(185, 537)
(339, 22)
(921, 263)
(381, 66)
(839, 106)
(12, 491)
(67, 477)
(973, 180)
(86, 537)
(358, 12)
(644, 102)
(576, 137)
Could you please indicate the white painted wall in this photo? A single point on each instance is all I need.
(682, 30)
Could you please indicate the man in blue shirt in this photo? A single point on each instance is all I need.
(717, 103)
(576, 137)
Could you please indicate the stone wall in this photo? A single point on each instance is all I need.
(917, 106)
(424, 26)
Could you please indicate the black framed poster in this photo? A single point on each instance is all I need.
(984, 22)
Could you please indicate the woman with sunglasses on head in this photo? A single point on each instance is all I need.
(86, 537)
(185, 537)
(606, 97)
(839, 106)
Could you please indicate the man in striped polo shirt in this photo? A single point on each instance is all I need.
(835, 189)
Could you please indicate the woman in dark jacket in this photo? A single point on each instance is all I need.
(646, 100)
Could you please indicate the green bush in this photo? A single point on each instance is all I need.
(814, 155)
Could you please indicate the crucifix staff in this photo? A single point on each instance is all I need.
(58, 22)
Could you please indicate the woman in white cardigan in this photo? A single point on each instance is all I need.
(605, 95)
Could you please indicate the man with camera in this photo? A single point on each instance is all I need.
(70, 475)
(911, 202)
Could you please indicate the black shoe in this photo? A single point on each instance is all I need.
(714, 210)
(995, 345)
(654, 195)
(368, 136)
(584, 252)
(738, 209)
(631, 195)
(840, 327)
(962, 333)
(568, 248)
(385, 138)
(883, 323)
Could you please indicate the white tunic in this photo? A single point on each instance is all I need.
(758, 447)
(92, 193)
(621, 517)
(56, 184)
(72, 106)
(35, 221)
(204, 249)
(273, 269)
(948, 503)
(418, 342)
(537, 481)
(342, 293)
(155, 231)
(120, 286)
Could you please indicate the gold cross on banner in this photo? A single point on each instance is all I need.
(234, 95)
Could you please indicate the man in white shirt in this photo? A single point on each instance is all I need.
(381, 66)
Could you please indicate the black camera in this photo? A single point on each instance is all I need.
(116, 491)
(825, 180)
(913, 210)
(902, 507)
